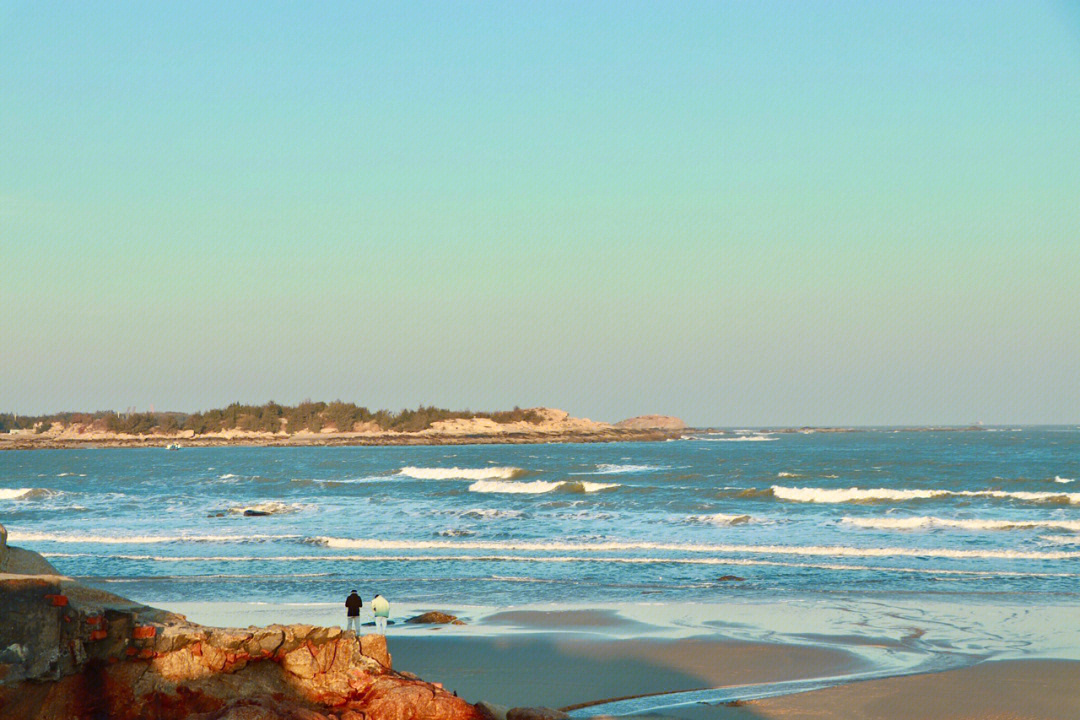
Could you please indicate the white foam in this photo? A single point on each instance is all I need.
(228, 476)
(456, 473)
(605, 469)
(139, 539)
(14, 493)
(616, 545)
(537, 487)
(720, 519)
(845, 495)
(743, 438)
(1063, 480)
(1061, 539)
(527, 488)
(486, 513)
(784, 473)
(921, 522)
(564, 559)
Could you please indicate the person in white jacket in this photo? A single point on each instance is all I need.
(381, 609)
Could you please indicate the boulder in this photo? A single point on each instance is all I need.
(17, 561)
(435, 618)
(535, 713)
(492, 711)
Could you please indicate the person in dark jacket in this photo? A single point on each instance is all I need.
(353, 603)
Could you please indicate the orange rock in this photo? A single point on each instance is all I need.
(98, 635)
(144, 632)
(57, 600)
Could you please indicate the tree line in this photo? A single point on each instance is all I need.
(270, 417)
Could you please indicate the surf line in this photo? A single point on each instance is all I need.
(639, 704)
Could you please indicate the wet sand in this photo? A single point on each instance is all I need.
(519, 670)
(1007, 690)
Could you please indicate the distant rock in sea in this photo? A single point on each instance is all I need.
(651, 422)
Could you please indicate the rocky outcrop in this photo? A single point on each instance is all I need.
(68, 651)
(17, 561)
(544, 425)
(435, 618)
(651, 422)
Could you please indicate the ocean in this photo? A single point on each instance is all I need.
(992, 516)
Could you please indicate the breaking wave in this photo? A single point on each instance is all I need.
(456, 473)
(920, 522)
(615, 545)
(537, 487)
(559, 559)
(27, 493)
(1063, 480)
(1061, 539)
(605, 469)
(141, 539)
(784, 473)
(741, 438)
(855, 495)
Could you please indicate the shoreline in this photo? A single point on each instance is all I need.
(584, 655)
(45, 441)
(32, 442)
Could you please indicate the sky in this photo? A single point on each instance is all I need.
(739, 213)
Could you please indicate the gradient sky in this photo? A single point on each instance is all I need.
(739, 213)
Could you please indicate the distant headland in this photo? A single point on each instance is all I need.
(320, 423)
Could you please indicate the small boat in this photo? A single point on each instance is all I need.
(172, 446)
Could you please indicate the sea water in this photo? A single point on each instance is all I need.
(982, 517)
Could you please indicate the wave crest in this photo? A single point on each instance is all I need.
(856, 495)
(620, 545)
(456, 473)
(140, 539)
(921, 522)
(27, 493)
(606, 469)
(537, 487)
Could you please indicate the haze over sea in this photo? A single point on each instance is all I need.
(972, 516)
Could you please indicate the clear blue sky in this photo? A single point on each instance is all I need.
(739, 213)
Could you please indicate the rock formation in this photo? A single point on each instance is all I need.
(544, 425)
(69, 651)
(651, 422)
(435, 618)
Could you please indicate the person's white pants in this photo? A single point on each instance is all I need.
(380, 625)
(354, 624)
